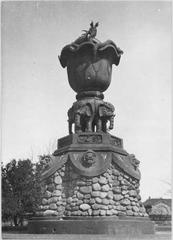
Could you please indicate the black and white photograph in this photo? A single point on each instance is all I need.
(86, 120)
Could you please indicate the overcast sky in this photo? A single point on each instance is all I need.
(36, 93)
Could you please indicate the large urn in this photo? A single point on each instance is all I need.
(89, 63)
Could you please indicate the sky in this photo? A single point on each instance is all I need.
(35, 91)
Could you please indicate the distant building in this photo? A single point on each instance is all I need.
(159, 209)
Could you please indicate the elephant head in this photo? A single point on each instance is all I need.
(106, 113)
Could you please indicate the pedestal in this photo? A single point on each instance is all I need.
(91, 186)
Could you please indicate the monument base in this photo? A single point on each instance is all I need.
(126, 226)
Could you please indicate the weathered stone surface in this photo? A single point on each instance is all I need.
(73, 204)
(95, 212)
(90, 212)
(56, 193)
(103, 194)
(75, 199)
(102, 212)
(79, 202)
(87, 196)
(50, 213)
(129, 212)
(84, 207)
(81, 183)
(105, 188)
(109, 212)
(114, 212)
(110, 195)
(124, 192)
(53, 199)
(121, 208)
(61, 208)
(45, 207)
(104, 207)
(98, 200)
(95, 180)
(115, 172)
(95, 194)
(53, 206)
(116, 189)
(116, 183)
(125, 176)
(117, 197)
(91, 201)
(132, 193)
(58, 180)
(120, 178)
(129, 207)
(125, 202)
(121, 213)
(85, 189)
(95, 206)
(79, 195)
(138, 197)
(48, 194)
(135, 213)
(111, 201)
(44, 201)
(51, 187)
(124, 187)
(78, 213)
(69, 200)
(135, 209)
(96, 187)
(105, 201)
(62, 174)
(60, 203)
(75, 208)
(59, 187)
(103, 180)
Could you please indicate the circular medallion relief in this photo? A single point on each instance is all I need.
(90, 163)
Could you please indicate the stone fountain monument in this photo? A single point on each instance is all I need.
(91, 183)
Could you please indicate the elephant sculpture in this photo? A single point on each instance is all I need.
(81, 115)
(105, 114)
(89, 115)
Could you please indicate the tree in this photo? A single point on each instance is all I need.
(20, 189)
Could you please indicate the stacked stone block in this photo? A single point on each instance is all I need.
(113, 193)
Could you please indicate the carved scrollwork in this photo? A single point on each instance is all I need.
(91, 139)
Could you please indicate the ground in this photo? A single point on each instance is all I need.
(157, 236)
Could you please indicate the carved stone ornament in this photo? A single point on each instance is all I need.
(90, 139)
(90, 163)
(89, 158)
(53, 165)
(126, 165)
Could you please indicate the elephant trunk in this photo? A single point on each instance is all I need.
(77, 122)
(111, 126)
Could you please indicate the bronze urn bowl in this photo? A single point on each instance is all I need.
(89, 64)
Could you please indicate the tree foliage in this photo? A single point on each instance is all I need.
(20, 189)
